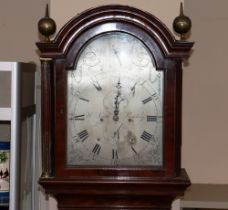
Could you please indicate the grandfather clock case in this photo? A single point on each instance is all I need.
(111, 111)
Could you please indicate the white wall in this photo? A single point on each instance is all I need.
(18, 27)
(205, 94)
(165, 10)
(18, 34)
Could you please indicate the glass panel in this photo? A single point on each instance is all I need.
(115, 104)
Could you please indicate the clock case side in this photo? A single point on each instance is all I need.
(168, 53)
(47, 116)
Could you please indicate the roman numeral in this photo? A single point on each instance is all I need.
(83, 135)
(146, 136)
(78, 117)
(147, 100)
(155, 96)
(84, 99)
(114, 154)
(96, 150)
(152, 118)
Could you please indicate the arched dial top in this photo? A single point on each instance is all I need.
(116, 14)
(115, 104)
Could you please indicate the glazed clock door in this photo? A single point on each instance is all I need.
(115, 104)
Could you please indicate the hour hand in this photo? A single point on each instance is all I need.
(117, 101)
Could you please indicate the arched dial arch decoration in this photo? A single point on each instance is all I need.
(111, 111)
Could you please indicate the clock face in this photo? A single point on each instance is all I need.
(114, 105)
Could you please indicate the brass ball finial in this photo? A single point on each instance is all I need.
(182, 24)
(46, 25)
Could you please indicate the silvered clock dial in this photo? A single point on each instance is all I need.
(115, 104)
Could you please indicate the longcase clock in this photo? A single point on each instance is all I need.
(111, 111)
